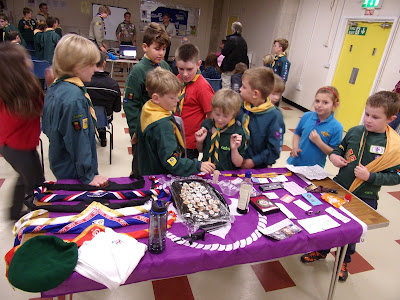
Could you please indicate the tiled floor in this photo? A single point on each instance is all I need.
(374, 272)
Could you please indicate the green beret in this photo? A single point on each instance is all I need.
(42, 263)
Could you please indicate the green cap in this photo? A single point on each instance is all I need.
(42, 263)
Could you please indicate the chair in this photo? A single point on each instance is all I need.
(102, 122)
(39, 68)
(216, 84)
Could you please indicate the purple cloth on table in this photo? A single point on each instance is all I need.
(180, 260)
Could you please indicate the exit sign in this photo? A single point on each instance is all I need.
(372, 3)
(356, 30)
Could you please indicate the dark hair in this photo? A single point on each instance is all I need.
(187, 52)
(154, 32)
(58, 20)
(261, 79)
(211, 61)
(26, 10)
(4, 17)
(20, 91)
(283, 43)
(390, 101)
(12, 35)
(240, 68)
(103, 58)
(50, 21)
(127, 13)
(166, 14)
(2, 4)
(42, 4)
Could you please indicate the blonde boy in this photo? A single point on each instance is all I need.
(260, 119)
(195, 98)
(281, 64)
(97, 28)
(160, 143)
(221, 138)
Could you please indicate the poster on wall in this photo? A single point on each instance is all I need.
(185, 19)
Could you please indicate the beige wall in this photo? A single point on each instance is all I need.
(72, 19)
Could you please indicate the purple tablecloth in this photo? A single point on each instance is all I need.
(243, 244)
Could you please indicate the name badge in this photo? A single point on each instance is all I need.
(377, 149)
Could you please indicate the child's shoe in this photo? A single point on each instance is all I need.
(312, 256)
(343, 273)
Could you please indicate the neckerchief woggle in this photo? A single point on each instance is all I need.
(179, 107)
(248, 108)
(215, 137)
(277, 57)
(79, 84)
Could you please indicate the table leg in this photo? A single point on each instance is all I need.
(339, 258)
(112, 69)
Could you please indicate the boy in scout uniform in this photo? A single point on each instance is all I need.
(97, 28)
(160, 143)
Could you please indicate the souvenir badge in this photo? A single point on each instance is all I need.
(325, 133)
(172, 161)
(84, 123)
(377, 149)
(77, 125)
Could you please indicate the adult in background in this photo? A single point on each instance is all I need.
(235, 51)
(43, 13)
(126, 32)
(170, 29)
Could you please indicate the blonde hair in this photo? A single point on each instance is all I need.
(261, 79)
(279, 84)
(104, 9)
(284, 43)
(74, 51)
(228, 100)
(268, 59)
(161, 82)
(332, 91)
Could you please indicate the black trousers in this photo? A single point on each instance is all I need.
(27, 165)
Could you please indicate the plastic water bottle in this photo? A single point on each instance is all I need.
(244, 194)
(157, 227)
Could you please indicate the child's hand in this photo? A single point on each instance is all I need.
(361, 172)
(236, 140)
(99, 181)
(338, 161)
(200, 135)
(315, 137)
(295, 152)
(207, 167)
(248, 164)
(134, 139)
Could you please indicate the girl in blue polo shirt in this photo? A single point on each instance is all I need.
(318, 132)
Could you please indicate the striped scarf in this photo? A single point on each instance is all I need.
(277, 57)
(182, 93)
(215, 137)
(248, 108)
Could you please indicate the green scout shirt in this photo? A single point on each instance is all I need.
(68, 124)
(38, 43)
(375, 144)
(50, 40)
(135, 94)
(224, 154)
(159, 151)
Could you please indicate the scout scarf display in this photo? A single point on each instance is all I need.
(179, 107)
(152, 112)
(261, 109)
(389, 159)
(95, 213)
(79, 83)
(277, 57)
(215, 137)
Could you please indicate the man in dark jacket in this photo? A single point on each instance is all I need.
(104, 91)
(235, 51)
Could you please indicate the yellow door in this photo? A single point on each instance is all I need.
(356, 70)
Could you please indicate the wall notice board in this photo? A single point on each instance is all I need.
(112, 22)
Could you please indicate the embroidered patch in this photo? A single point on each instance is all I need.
(97, 23)
(226, 148)
(350, 156)
(325, 133)
(84, 123)
(130, 96)
(77, 125)
(341, 147)
(172, 161)
(77, 116)
(377, 149)
(277, 134)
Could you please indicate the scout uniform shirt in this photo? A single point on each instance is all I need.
(224, 150)
(50, 39)
(281, 66)
(160, 144)
(68, 124)
(361, 146)
(27, 33)
(97, 30)
(135, 94)
(126, 32)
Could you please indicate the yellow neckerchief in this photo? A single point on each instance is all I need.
(277, 57)
(36, 31)
(48, 29)
(152, 112)
(79, 83)
(29, 23)
(253, 109)
(182, 93)
(215, 137)
(389, 159)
